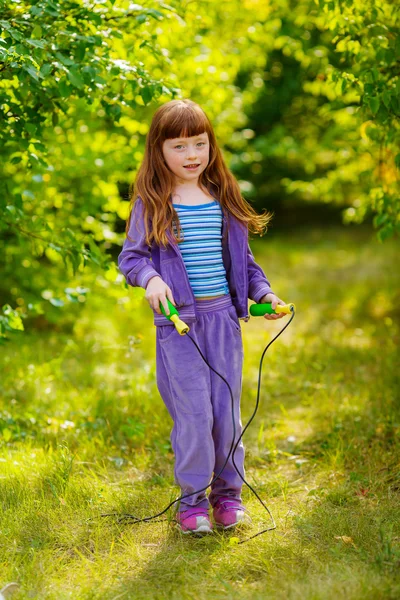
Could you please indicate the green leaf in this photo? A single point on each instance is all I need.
(31, 128)
(80, 52)
(16, 34)
(13, 320)
(380, 219)
(374, 104)
(45, 69)
(65, 60)
(36, 32)
(32, 72)
(94, 254)
(386, 96)
(155, 13)
(89, 73)
(146, 94)
(385, 232)
(75, 78)
(64, 88)
(37, 43)
(382, 114)
(51, 8)
(115, 111)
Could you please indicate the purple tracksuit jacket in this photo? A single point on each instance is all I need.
(139, 263)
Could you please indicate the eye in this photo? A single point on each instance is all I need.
(198, 143)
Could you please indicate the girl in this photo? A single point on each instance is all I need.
(187, 240)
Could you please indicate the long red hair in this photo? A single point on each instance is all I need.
(155, 182)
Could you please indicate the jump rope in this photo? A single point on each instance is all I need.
(256, 310)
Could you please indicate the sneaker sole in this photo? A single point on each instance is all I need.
(202, 528)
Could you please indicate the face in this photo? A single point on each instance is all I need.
(180, 152)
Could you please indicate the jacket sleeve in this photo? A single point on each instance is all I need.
(258, 283)
(134, 261)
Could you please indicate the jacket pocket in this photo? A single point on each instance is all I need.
(171, 273)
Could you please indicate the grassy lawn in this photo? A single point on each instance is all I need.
(83, 431)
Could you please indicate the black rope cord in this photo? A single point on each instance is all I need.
(123, 517)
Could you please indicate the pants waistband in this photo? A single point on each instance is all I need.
(214, 304)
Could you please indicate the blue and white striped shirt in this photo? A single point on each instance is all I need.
(201, 248)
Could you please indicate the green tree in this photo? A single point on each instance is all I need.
(61, 61)
(323, 109)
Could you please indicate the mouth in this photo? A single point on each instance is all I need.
(192, 167)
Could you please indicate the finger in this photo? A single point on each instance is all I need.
(151, 304)
(165, 304)
(170, 297)
(155, 304)
(156, 307)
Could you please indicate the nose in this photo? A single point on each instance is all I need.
(191, 153)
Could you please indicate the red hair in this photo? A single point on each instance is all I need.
(155, 182)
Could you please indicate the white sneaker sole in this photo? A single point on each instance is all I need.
(203, 526)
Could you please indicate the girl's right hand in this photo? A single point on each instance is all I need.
(157, 291)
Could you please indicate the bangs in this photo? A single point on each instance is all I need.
(184, 121)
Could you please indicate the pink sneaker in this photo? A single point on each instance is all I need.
(229, 512)
(194, 520)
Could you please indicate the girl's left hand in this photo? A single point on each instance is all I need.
(274, 301)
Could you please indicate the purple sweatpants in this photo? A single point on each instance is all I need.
(199, 401)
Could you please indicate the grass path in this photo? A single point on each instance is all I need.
(84, 431)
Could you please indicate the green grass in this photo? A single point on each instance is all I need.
(83, 431)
